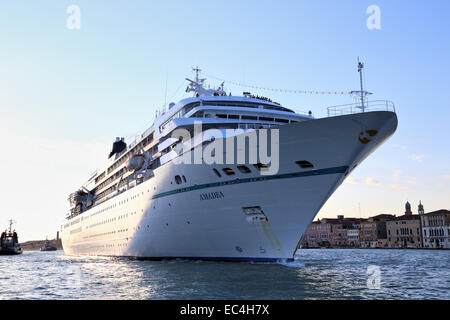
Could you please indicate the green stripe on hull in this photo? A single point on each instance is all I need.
(319, 172)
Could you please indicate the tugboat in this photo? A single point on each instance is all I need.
(9, 242)
(48, 247)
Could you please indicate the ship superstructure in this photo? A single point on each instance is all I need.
(148, 203)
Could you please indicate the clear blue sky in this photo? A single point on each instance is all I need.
(65, 94)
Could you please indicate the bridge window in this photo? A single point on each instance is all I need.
(198, 114)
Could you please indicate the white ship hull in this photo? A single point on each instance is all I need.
(204, 218)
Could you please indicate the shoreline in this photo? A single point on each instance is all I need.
(36, 245)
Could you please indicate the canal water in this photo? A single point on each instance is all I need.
(315, 274)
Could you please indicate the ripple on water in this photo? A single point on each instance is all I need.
(314, 274)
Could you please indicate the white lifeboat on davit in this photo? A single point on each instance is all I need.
(135, 162)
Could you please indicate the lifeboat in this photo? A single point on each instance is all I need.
(135, 162)
(78, 197)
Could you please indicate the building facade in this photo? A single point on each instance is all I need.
(353, 238)
(329, 232)
(436, 229)
(422, 230)
(373, 232)
(404, 231)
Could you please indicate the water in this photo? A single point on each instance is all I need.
(315, 274)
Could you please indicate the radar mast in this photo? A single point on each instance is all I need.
(361, 94)
(197, 86)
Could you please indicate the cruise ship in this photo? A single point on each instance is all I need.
(222, 177)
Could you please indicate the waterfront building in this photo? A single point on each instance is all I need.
(436, 229)
(338, 235)
(330, 232)
(311, 239)
(318, 234)
(353, 237)
(373, 232)
(404, 231)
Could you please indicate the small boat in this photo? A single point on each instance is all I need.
(9, 242)
(48, 247)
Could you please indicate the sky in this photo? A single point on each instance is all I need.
(66, 93)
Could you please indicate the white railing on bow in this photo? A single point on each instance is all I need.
(377, 105)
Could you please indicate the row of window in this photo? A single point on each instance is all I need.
(435, 222)
(244, 169)
(100, 235)
(190, 106)
(75, 230)
(410, 239)
(230, 172)
(239, 104)
(404, 231)
(119, 203)
(436, 232)
(201, 114)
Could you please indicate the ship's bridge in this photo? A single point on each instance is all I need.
(215, 107)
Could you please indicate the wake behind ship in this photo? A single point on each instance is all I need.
(153, 200)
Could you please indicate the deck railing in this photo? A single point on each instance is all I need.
(377, 105)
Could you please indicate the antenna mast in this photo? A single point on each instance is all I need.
(10, 224)
(360, 70)
(197, 71)
(361, 94)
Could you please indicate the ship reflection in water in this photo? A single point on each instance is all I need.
(315, 274)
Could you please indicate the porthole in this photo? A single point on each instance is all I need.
(305, 164)
(260, 166)
(228, 171)
(244, 169)
(178, 179)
